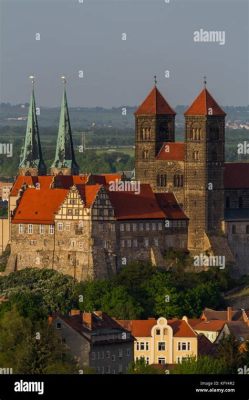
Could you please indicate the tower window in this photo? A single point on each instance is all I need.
(196, 134)
(178, 180)
(227, 202)
(196, 155)
(145, 154)
(146, 133)
(162, 180)
(240, 202)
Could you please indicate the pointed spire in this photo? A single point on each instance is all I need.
(64, 162)
(31, 162)
(155, 104)
(205, 104)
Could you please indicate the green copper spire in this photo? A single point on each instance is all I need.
(64, 162)
(31, 162)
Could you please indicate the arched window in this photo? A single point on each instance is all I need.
(161, 180)
(146, 133)
(145, 154)
(178, 180)
(196, 155)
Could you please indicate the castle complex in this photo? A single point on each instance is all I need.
(88, 227)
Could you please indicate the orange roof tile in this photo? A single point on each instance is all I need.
(203, 102)
(172, 151)
(155, 104)
(169, 206)
(128, 205)
(142, 328)
(39, 205)
(213, 326)
(236, 176)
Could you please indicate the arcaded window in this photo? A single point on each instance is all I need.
(161, 180)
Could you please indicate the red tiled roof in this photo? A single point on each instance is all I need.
(104, 179)
(128, 205)
(203, 102)
(169, 205)
(142, 328)
(193, 321)
(172, 151)
(236, 176)
(39, 205)
(208, 314)
(213, 326)
(155, 104)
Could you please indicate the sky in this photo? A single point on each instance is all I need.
(87, 36)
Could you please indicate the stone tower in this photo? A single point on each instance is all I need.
(204, 168)
(64, 162)
(155, 124)
(31, 157)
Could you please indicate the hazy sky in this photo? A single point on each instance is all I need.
(75, 37)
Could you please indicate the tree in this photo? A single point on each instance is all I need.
(119, 304)
(203, 365)
(228, 351)
(140, 367)
(32, 348)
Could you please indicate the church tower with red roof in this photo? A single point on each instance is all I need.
(204, 169)
(155, 124)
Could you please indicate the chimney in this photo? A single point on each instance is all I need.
(87, 319)
(50, 320)
(229, 313)
(74, 311)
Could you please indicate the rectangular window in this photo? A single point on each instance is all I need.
(30, 229)
(113, 357)
(182, 346)
(121, 227)
(21, 228)
(141, 345)
(93, 355)
(147, 226)
(76, 211)
(160, 226)
(60, 226)
(147, 346)
(58, 325)
(157, 331)
(69, 211)
(128, 352)
(122, 243)
(128, 227)
(120, 353)
(73, 243)
(80, 245)
(134, 227)
(108, 369)
(153, 226)
(161, 346)
(189, 346)
(137, 345)
(134, 242)
(42, 229)
(161, 360)
(107, 354)
(147, 360)
(120, 368)
(68, 227)
(129, 243)
(141, 227)
(156, 242)
(51, 229)
(146, 242)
